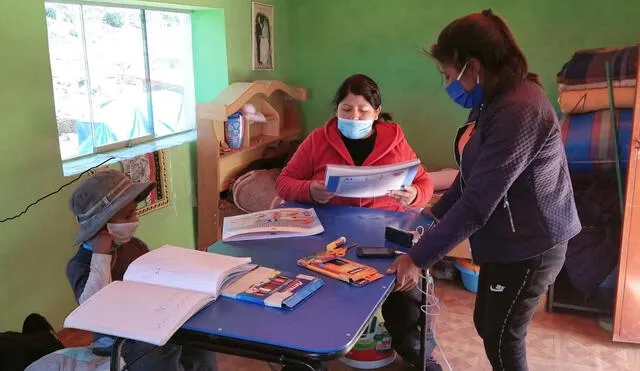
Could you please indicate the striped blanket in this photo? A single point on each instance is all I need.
(588, 141)
(587, 66)
(591, 100)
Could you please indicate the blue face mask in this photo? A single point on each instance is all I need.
(355, 129)
(467, 99)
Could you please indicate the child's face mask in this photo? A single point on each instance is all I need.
(122, 232)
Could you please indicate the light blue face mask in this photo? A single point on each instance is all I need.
(355, 129)
(467, 99)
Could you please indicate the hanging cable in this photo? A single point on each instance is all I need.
(54, 192)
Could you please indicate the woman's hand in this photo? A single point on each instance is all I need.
(102, 242)
(405, 196)
(319, 192)
(407, 273)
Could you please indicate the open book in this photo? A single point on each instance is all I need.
(275, 223)
(160, 291)
(369, 181)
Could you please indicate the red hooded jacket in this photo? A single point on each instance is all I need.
(325, 146)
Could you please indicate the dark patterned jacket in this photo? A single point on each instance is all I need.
(513, 197)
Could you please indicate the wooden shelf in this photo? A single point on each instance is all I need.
(215, 170)
(232, 162)
(261, 141)
(237, 94)
(289, 133)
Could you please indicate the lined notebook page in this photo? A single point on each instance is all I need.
(185, 269)
(137, 311)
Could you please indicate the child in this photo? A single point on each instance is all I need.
(104, 206)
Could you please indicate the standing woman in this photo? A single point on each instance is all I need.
(512, 198)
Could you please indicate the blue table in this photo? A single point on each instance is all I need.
(324, 327)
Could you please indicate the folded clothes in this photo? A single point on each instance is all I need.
(590, 100)
(588, 140)
(588, 66)
(629, 83)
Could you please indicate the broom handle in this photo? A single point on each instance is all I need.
(614, 128)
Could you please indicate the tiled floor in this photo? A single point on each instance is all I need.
(562, 342)
(556, 342)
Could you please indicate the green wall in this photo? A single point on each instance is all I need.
(36, 247)
(318, 43)
(381, 38)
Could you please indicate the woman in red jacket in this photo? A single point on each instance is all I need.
(359, 136)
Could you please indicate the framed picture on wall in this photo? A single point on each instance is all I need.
(150, 167)
(262, 27)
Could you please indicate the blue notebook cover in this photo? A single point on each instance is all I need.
(273, 288)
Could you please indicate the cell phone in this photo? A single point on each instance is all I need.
(399, 236)
(375, 252)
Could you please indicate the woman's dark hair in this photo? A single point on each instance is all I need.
(486, 37)
(364, 86)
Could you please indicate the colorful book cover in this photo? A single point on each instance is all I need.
(327, 263)
(275, 223)
(273, 288)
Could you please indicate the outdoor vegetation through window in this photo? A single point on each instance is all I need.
(120, 75)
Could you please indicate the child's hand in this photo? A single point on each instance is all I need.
(102, 242)
(319, 192)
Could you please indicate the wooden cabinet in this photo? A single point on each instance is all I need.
(626, 325)
(278, 102)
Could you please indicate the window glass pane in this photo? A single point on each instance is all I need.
(100, 81)
(115, 55)
(171, 71)
(70, 86)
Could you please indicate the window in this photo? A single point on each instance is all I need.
(121, 76)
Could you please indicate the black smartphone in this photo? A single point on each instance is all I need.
(375, 252)
(399, 236)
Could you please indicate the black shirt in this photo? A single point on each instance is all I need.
(360, 149)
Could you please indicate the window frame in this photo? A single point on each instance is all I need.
(138, 145)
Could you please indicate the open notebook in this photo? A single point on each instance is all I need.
(160, 291)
